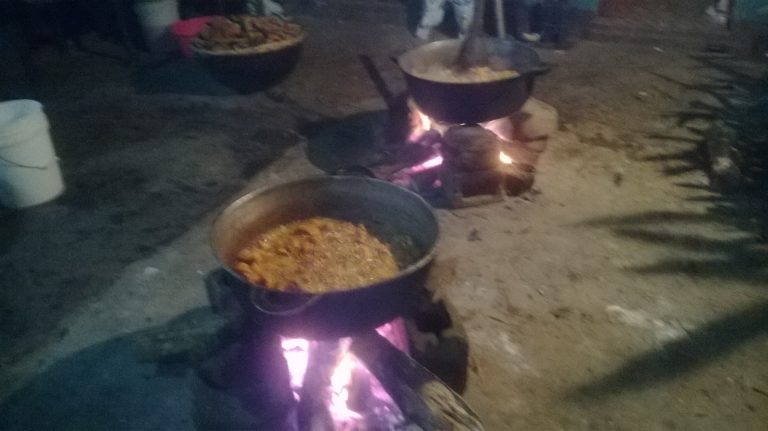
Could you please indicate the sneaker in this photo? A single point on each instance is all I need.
(423, 33)
(717, 16)
(530, 37)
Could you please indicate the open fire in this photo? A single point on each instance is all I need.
(352, 398)
(422, 125)
(464, 164)
(383, 380)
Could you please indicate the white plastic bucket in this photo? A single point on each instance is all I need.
(29, 170)
(156, 18)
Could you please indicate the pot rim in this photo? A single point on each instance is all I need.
(533, 70)
(414, 267)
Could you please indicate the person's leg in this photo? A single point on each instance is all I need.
(434, 11)
(718, 11)
(520, 16)
(549, 20)
(463, 11)
(522, 23)
(273, 8)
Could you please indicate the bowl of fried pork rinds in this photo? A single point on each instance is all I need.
(249, 53)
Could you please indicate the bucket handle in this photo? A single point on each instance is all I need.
(260, 300)
(19, 165)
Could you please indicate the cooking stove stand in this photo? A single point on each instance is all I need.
(444, 185)
(244, 383)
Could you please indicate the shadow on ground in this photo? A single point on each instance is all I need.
(216, 75)
(138, 176)
(735, 100)
(178, 76)
(141, 381)
(700, 348)
(743, 259)
(356, 140)
(738, 101)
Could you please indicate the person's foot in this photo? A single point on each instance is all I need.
(423, 33)
(719, 17)
(529, 37)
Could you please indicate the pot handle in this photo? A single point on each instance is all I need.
(355, 171)
(260, 300)
(538, 70)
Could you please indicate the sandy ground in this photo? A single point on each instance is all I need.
(620, 294)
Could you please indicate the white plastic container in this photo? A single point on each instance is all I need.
(29, 169)
(156, 18)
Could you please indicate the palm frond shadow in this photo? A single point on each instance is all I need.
(690, 238)
(700, 348)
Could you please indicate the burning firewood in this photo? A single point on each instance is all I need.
(423, 398)
(313, 414)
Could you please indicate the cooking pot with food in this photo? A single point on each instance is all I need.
(397, 217)
(476, 95)
(248, 53)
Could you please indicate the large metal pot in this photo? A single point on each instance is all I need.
(251, 69)
(474, 102)
(247, 73)
(394, 215)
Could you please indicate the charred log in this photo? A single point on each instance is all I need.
(313, 414)
(423, 398)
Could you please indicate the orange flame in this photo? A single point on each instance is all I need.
(433, 162)
(296, 353)
(426, 123)
(340, 380)
(345, 374)
(502, 128)
(420, 125)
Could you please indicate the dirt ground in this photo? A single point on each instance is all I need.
(619, 294)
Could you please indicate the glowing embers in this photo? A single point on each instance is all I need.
(468, 164)
(334, 387)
